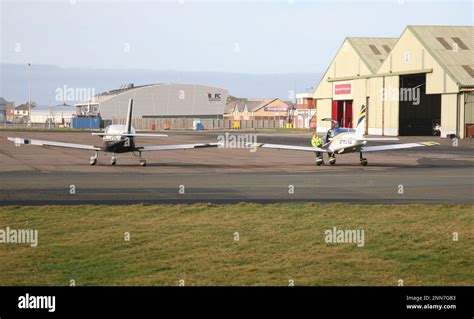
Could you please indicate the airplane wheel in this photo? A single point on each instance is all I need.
(113, 161)
(363, 162)
(142, 162)
(319, 163)
(332, 161)
(93, 161)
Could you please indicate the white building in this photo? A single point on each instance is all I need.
(58, 115)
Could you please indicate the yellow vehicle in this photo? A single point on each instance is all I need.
(236, 124)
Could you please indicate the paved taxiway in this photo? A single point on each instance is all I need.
(36, 175)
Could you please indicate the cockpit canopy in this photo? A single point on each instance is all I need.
(336, 131)
(116, 129)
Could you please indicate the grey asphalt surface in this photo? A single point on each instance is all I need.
(32, 175)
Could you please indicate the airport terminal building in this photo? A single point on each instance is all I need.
(410, 83)
(172, 100)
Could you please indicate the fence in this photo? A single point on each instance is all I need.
(25, 126)
(208, 124)
(175, 124)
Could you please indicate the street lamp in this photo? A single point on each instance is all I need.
(29, 93)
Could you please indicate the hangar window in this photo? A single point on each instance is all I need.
(460, 44)
(386, 48)
(444, 43)
(374, 49)
(469, 70)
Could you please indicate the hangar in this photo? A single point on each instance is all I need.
(172, 100)
(409, 84)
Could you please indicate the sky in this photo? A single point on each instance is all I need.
(214, 36)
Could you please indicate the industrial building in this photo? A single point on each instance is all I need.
(3, 110)
(6, 111)
(21, 112)
(409, 84)
(173, 100)
(304, 114)
(53, 115)
(257, 109)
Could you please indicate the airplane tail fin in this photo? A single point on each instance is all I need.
(360, 128)
(129, 116)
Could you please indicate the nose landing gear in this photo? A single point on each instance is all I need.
(113, 160)
(142, 160)
(93, 160)
(363, 161)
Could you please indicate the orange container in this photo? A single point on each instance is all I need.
(469, 130)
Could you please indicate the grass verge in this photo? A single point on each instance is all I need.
(278, 243)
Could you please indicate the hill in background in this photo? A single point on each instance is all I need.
(47, 78)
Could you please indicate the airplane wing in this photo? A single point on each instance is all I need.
(395, 146)
(379, 139)
(131, 134)
(289, 147)
(176, 147)
(19, 141)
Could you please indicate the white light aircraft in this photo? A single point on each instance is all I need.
(116, 139)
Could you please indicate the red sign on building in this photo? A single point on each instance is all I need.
(342, 88)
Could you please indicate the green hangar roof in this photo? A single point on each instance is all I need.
(453, 49)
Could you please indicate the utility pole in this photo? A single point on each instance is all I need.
(29, 94)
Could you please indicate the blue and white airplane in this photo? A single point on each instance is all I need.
(347, 140)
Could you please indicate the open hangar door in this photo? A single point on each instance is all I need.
(419, 111)
(342, 112)
(469, 114)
